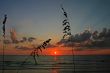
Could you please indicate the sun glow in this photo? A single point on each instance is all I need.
(55, 52)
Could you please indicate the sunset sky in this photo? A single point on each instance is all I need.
(42, 19)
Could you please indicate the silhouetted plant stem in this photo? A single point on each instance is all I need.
(3, 58)
(67, 30)
(73, 59)
(4, 22)
(34, 53)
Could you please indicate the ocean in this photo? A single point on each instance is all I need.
(56, 64)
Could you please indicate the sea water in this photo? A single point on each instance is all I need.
(56, 64)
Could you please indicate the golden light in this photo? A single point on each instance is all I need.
(55, 52)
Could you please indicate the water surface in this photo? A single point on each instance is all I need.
(57, 64)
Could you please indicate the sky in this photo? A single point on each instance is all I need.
(43, 18)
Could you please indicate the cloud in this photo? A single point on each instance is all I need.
(7, 42)
(27, 39)
(23, 48)
(75, 40)
(24, 39)
(13, 36)
(62, 41)
(50, 46)
(88, 39)
(31, 39)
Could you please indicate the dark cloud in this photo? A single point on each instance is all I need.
(50, 46)
(6, 41)
(88, 39)
(45, 45)
(73, 39)
(62, 41)
(24, 39)
(23, 48)
(27, 39)
(31, 39)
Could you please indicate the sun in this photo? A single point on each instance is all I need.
(55, 52)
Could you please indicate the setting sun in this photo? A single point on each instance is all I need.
(55, 52)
